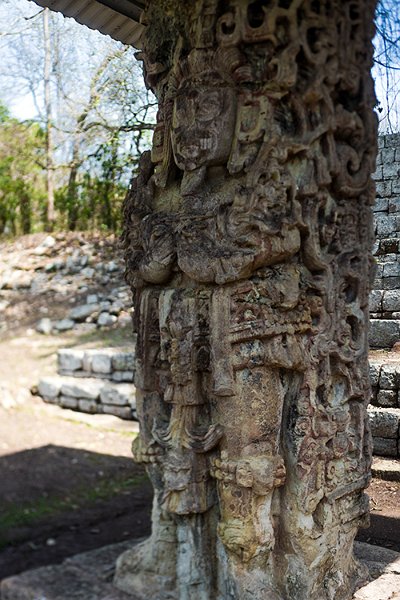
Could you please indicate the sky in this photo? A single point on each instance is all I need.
(22, 106)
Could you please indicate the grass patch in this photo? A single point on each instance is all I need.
(120, 336)
(29, 514)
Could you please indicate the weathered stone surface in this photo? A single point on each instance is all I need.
(122, 394)
(64, 324)
(70, 360)
(384, 588)
(390, 283)
(248, 236)
(374, 372)
(81, 388)
(384, 446)
(101, 561)
(387, 398)
(391, 300)
(68, 402)
(101, 362)
(124, 319)
(106, 320)
(92, 299)
(123, 361)
(384, 333)
(71, 580)
(123, 412)
(386, 468)
(49, 387)
(80, 313)
(89, 406)
(64, 582)
(394, 203)
(390, 376)
(381, 204)
(88, 272)
(375, 301)
(44, 326)
(379, 560)
(123, 376)
(384, 422)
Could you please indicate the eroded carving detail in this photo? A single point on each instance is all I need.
(248, 235)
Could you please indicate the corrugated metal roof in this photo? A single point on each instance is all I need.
(117, 18)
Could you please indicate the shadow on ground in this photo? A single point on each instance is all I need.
(57, 501)
(383, 531)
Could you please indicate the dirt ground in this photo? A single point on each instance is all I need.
(66, 485)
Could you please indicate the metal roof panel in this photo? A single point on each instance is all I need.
(117, 18)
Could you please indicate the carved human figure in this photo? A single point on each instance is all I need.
(247, 238)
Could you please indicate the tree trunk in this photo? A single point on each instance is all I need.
(49, 122)
(25, 210)
(248, 237)
(72, 191)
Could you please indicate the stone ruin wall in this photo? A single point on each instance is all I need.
(385, 297)
(384, 410)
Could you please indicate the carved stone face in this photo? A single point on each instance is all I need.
(203, 124)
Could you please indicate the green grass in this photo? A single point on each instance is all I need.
(120, 336)
(28, 514)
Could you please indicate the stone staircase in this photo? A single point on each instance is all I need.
(385, 297)
(384, 409)
(93, 381)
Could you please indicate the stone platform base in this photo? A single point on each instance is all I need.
(88, 576)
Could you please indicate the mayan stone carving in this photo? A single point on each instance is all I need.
(248, 234)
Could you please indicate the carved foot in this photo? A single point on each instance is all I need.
(145, 454)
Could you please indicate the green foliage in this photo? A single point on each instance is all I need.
(93, 197)
(26, 515)
(22, 191)
(97, 119)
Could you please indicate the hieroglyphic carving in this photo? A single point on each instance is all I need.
(248, 235)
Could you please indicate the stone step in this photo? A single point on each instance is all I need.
(88, 576)
(385, 426)
(384, 333)
(116, 364)
(385, 381)
(384, 571)
(90, 395)
(386, 468)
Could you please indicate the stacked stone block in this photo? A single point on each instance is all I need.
(385, 297)
(384, 410)
(93, 381)
(110, 364)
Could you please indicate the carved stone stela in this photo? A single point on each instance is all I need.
(248, 234)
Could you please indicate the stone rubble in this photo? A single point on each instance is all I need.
(80, 269)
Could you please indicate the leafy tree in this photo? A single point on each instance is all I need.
(90, 102)
(22, 190)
